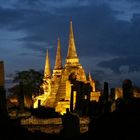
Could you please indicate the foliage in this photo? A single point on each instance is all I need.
(31, 81)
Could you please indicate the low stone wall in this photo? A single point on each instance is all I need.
(36, 121)
(51, 125)
(32, 120)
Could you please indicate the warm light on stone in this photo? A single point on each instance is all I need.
(61, 107)
(95, 96)
(57, 86)
(118, 93)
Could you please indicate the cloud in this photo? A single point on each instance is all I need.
(123, 64)
(98, 28)
(104, 32)
(115, 79)
(96, 21)
(49, 5)
(137, 1)
(10, 18)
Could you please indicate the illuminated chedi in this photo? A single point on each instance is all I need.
(57, 86)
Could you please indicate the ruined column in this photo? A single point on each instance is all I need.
(106, 98)
(112, 100)
(112, 94)
(3, 103)
(21, 96)
(71, 98)
(105, 92)
(2, 81)
(127, 89)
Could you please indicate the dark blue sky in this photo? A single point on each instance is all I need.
(107, 35)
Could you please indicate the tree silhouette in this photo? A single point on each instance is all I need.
(31, 81)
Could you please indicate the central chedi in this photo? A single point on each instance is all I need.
(57, 85)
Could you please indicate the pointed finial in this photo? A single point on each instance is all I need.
(47, 52)
(47, 71)
(58, 60)
(71, 46)
(89, 77)
(70, 19)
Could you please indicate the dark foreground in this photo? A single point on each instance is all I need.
(121, 124)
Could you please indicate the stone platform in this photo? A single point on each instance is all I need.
(51, 125)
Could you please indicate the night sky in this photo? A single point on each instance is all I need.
(107, 35)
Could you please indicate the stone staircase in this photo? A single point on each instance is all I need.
(50, 101)
(61, 91)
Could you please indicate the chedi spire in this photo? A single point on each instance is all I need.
(58, 60)
(71, 46)
(47, 71)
